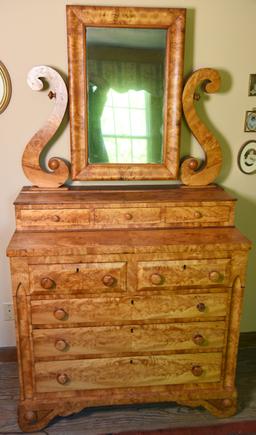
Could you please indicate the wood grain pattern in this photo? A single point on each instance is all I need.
(80, 17)
(99, 310)
(110, 317)
(183, 273)
(139, 371)
(105, 340)
(85, 277)
(31, 164)
(190, 173)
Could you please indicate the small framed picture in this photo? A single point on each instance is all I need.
(252, 85)
(247, 157)
(250, 120)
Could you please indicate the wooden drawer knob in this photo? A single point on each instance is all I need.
(56, 218)
(197, 370)
(108, 280)
(61, 345)
(214, 276)
(156, 279)
(128, 216)
(62, 378)
(60, 314)
(201, 307)
(198, 214)
(47, 283)
(198, 339)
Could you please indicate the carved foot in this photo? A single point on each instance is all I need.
(32, 420)
(221, 408)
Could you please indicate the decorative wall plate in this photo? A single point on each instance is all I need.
(247, 157)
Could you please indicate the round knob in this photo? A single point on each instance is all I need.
(60, 314)
(198, 339)
(193, 164)
(53, 163)
(197, 214)
(47, 283)
(201, 307)
(108, 280)
(214, 276)
(31, 416)
(197, 370)
(56, 218)
(62, 378)
(156, 279)
(226, 403)
(128, 216)
(61, 345)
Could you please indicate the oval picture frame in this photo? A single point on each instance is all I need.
(7, 87)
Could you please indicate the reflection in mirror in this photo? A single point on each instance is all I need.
(125, 76)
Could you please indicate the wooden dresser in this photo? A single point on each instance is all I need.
(124, 296)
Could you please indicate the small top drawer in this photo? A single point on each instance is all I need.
(182, 273)
(71, 278)
(53, 218)
(134, 216)
(199, 216)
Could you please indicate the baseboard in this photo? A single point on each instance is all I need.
(247, 339)
(8, 354)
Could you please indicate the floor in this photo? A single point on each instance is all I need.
(119, 419)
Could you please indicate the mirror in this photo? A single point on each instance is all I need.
(5, 87)
(125, 75)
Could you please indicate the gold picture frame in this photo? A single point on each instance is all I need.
(6, 87)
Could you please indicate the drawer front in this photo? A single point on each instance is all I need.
(114, 309)
(68, 278)
(123, 372)
(180, 273)
(126, 217)
(198, 215)
(127, 338)
(54, 218)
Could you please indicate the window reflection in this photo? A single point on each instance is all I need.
(126, 88)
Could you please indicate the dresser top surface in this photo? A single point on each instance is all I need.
(129, 241)
(110, 194)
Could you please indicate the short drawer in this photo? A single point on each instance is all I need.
(85, 277)
(125, 217)
(181, 273)
(53, 218)
(199, 215)
(123, 372)
(127, 338)
(116, 309)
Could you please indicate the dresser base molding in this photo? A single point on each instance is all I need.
(34, 415)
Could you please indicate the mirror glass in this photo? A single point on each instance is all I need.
(125, 77)
(1, 88)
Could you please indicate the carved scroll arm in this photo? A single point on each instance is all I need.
(190, 174)
(31, 156)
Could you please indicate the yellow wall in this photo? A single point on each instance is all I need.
(220, 34)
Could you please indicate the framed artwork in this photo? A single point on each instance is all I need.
(250, 121)
(252, 85)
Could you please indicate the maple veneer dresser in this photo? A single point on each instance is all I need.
(125, 294)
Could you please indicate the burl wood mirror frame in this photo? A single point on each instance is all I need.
(173, 21)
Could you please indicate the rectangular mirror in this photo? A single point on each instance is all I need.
(125, 73)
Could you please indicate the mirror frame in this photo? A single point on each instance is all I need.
(4, 101)
(78, 19)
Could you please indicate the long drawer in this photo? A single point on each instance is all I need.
(118, 309)
(68, 278)
(182, 273)
(95, 340)
(126, 372)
